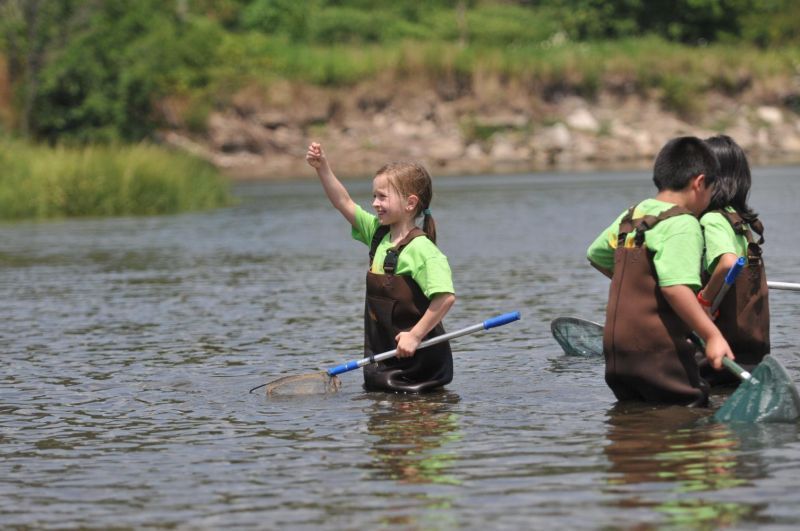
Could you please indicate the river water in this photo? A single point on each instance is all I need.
(129, 346)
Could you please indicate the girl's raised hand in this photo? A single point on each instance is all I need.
(315, 156)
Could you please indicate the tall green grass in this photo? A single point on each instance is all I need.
(676, 73)
(43, 182)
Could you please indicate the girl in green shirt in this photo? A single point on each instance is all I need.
(409, 284)
(729, 225)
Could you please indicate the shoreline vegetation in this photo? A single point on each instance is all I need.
(464, 86)
(40, 182)
(556, 105)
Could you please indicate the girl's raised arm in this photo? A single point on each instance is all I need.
(334, 189)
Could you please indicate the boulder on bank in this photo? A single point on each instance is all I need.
(264, 136)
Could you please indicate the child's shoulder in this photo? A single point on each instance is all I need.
(651, 207)
(717, 217)
(423, 248)
(679, 224)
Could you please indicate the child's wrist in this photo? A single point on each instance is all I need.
(702, 300)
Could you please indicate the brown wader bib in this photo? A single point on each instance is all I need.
(744, 312)
(396, 303)
(647, 355)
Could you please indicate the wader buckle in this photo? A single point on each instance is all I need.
(390, 262)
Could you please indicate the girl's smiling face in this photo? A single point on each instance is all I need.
(386, 200)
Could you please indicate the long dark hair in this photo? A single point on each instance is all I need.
(733, 184)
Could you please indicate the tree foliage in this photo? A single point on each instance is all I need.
(93, 70)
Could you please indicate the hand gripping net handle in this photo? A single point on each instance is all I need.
(499, 320)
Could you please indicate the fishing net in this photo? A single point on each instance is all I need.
(770, 396)
(578, 337)
(304, 384)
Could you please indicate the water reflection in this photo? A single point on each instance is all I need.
(671, 461)
(129, 346)
(411, 436)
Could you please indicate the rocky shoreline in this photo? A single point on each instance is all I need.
(487, 127)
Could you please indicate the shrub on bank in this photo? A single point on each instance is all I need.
(42, 182)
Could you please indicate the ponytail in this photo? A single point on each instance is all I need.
(429, 225)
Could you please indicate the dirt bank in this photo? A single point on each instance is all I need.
(475, 126)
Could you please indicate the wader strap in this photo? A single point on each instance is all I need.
(645, 223)
(390, 262)
(382, 231)
(625, 227)
(739, 226)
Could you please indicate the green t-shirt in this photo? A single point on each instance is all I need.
(420, 259)
(720, 239)
(677, 243)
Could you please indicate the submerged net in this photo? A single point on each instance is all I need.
(770, 396)
(304, 384)
(578, 337)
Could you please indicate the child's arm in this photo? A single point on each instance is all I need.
(724, 264)
(601, 254)
(606, 272)
(407, 342)
(334, 189)
(684, 302)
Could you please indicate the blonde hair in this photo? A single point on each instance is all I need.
(411, 178)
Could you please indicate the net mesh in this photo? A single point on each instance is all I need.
(771, 398)
(578, 337)
(304, 384)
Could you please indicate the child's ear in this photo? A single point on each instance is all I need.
(699, 181)
(411, 202)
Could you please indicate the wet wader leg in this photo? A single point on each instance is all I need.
(395, 303)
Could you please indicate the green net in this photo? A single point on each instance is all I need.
(578, 337)
(304, 384)
(770, 396)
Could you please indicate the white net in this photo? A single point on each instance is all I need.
(304, 384)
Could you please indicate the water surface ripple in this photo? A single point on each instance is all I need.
(129, 345)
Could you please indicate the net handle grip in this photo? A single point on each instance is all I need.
(494, 322)
(730, 279)
(736, 369)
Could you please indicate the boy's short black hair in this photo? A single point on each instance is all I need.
(680, 160)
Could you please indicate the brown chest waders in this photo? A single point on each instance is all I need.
(395, 303)
(744, 312)
(647, 354)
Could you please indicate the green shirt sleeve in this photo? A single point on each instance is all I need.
(601, 251)
(719, 238)
(427, 265)
(365, 226)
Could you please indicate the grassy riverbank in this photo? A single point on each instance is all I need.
(157, 65)
(42, 182)
(467, 84)
(677, 75)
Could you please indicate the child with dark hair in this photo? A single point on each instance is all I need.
(652, 253)
(409, 283)
(729, 225)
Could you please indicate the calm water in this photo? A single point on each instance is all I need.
(129, 347)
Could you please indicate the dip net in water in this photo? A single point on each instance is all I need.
(770, 396)
(578, 337)
(304, 384)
